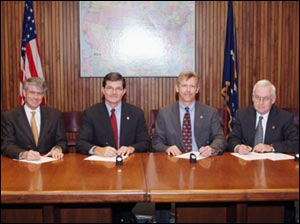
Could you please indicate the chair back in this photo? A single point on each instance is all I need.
(72, 122)
(153, 116)
(295, 112)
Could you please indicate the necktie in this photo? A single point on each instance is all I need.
(34, 128)
(114, 125)
(259, 132)
(187, 131)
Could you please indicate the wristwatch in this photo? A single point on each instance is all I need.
(272, 148)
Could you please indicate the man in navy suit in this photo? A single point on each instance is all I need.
(97, 136)
(17, 139)
(207, 136)
(279, 132)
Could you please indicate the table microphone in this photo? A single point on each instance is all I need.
(193, 158)
(119, 160)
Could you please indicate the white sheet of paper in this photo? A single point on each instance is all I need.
(102, 158)
(42, 160)
(187, 155)
(278, 156)
(259, 156)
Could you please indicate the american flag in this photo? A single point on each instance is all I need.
(30, 52)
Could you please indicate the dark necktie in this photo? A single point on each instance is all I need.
(259, 132)
(34, 127)
(114, 125)
(187, 131)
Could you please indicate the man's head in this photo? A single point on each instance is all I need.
(263, 96)
(187, 87)
(113, 88)
(34, 89)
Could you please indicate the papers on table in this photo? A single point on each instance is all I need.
(258, 156)
(102, 158)
(187, 155)
(43, 159)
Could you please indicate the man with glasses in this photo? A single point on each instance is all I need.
(279, 134)
(112, 128)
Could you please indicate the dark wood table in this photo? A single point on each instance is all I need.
(71, 180)
(232, 187)
(217, 189)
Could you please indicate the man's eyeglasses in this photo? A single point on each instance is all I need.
(264, 99)
(111, 89)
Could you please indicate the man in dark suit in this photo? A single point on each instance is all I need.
(206, 133)
(17, 139)
(279, 132)
(97, 135)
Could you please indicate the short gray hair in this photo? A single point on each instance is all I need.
(263, 83)
(35, 81)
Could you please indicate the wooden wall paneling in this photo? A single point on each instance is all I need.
(4, 59)
(268, 47)
(285, 54)
(294, 65)
(200, 32)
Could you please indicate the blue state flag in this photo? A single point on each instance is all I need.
(230, 73)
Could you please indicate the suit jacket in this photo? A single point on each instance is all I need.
(207, 128)
(280, 130)
(96, 128)
(16, 134)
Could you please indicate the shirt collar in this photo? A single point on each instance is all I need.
(191, 107)
(117, 108)
(29, 110)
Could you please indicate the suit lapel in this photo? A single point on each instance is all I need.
(252, 125)
(198, 120)
(125, 123)
(25, 125)
(44, 123)
(177, 124)
(271, 125)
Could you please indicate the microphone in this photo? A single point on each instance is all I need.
(119, 160)
(193, 158)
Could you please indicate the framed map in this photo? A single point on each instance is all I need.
(137, 38)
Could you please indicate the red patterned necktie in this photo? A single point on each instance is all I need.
(114, 125)
(187, 131)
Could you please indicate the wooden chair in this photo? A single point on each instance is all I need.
(72, 122)
(295, 112)
(153, 116)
